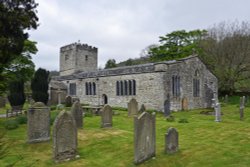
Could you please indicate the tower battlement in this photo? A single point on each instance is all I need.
(78, 46)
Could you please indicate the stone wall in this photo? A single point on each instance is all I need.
(77, 57)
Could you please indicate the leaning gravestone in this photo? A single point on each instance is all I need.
(144, 137)
(68, 101)
(106, 116)
(242, 106)
(77, 113)
(132, 107)
(171, 141)
(38, 123)
(64, 137)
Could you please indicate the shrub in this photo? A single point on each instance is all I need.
(21, 119)
(11, 124)
(53, 108)
(183, 120)
(16, 95)
(170, 118)
(39, 86)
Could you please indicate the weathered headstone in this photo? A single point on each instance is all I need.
(132, 107)
(184, 103)
(144, 137)
(68, 101)
(217, 109)
(167, 108)
(64, 137)
(106, 116)
(171, 141)
(38, 123)
(242, 106)
(77, 113)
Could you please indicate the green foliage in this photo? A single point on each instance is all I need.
(177, 44)
(11, 124)
(16, 95)
(3, 144)
(39, 86)
(53, 117)
(170, 118)
(119, 108)
(22, 119)
(16, 18)
(183, 120)
(111, 63)
(53, 108)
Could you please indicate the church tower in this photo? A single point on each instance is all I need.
(76, 57)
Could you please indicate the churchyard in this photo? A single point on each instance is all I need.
(202, 141)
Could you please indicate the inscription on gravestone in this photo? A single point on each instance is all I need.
(64, 137)
(38, 123)
(144, 137)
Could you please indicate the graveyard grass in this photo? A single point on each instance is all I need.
(202, 142)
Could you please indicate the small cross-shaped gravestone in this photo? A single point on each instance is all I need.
(106, 116)
(64, 137)
(77, 113)
(144, 137)
(38, 124)
(171, 141)
(242, 106)
(132, 107)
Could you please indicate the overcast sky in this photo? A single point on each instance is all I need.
(120, 29)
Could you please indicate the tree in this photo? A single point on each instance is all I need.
(226, 51)
(40, 85)
(177, 44)
(16, 95)
(17, 16)
(111, 63)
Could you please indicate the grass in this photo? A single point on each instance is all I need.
(202, 142)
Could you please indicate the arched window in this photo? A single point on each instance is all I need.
(117, 88)
(133, 87)
(196, 84)
(125, 87)
(130, 87)
(94, 88)
(87, 88)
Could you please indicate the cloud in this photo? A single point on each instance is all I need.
(121, 29)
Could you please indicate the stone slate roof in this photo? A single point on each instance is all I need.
(57, 85)
(135, 69)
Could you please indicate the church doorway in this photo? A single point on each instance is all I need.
(105, 99)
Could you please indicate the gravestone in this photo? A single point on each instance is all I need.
(144, 137)
(226, 99)
(64, 137)
(142, 109)
(171, 141)
(77, 113)
(106, 116)
(217, 109)
(38, 123)
(242, 106)
(132, 107)
(184, 103)
(167, 108)
(68, 101)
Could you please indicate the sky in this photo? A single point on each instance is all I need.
(121, 29)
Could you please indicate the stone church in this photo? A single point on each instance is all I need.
(176, 85)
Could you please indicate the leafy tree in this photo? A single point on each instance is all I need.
(226, 51)
(17, 16)
(178, 44)
(16, 95)
(39, 86)
(111, 63)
